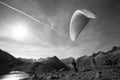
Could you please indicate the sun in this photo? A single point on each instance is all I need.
(19, 31)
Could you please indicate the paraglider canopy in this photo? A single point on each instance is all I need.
(79, 20)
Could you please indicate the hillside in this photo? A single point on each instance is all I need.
(100, 60)
(98, 66)
(7, 62)
(52, 64)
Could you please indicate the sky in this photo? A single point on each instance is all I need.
(46, 24)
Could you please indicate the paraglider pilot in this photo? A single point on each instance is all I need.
(74, 65)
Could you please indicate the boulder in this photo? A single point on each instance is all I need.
(85, 63)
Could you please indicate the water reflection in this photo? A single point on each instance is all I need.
(14, 75)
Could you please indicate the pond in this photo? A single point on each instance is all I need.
(14, 75)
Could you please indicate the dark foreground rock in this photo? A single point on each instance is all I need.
(103, 74)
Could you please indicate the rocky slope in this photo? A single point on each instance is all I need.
(100, 60)
(68, 62)
(52, 64)
(98, 66)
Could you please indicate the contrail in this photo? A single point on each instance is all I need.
(23, 13)
(33, 18)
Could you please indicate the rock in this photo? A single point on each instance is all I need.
(50, 65)
(108, 59)
(68, 62)
(100, 60)
(85, 63)
(54, 63)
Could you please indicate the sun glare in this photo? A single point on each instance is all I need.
(19, 31)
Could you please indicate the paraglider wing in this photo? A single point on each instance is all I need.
(78, 21)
